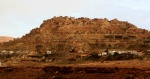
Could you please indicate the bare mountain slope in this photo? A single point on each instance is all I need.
(81, 34)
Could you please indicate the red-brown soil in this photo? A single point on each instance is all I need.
(72, 72)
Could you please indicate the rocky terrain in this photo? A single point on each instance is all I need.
(72, 48)
(82, 35)
(72, 71)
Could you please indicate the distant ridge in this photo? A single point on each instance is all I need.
(5, 39)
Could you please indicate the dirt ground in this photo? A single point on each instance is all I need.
(131, 69)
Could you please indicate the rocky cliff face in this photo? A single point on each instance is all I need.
(81, 35)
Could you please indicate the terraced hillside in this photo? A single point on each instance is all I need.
(82, 35)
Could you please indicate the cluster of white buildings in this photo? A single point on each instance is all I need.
(111, 52)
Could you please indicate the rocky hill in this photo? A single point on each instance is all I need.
(5, 39)
(81, 35)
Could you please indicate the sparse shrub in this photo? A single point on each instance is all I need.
(116, 53)
(72, 59)
(109, 57)
(94, 55)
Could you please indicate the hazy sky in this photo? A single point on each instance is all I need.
(18, 17)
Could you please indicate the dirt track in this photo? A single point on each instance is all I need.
(69, 72)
